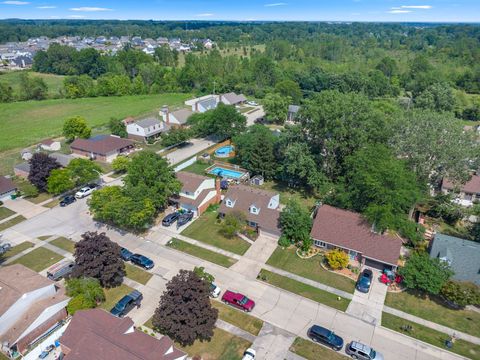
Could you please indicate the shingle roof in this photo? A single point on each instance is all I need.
(97, 334)
(209, 103)
(190, 182)
(25, 166)
(145, 123)
(349, 230)
(6, 185)
(471, 186)
(182, 115)
(101, 145)
(233, 98)
(463, 255)
(62, 159)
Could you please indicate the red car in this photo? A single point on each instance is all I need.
(238, 300)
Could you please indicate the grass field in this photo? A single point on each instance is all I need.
(312, 351)
(17, 249)
(26, 123)
(202, 253)
(5, 213)
(137, 274)
(238, 318)
(13, 221)
(64, 243)
(39, 259)
(430, 336)
(287, 193)
(304, 290)
(431, 309)
(112, 295)
(309, 268)
(206, 229)
(54, 82)
(197, 168)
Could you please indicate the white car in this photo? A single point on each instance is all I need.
(252, 103)
(215, 290)
(85, 191)
(249, 354)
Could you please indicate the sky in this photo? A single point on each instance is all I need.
(247, 10)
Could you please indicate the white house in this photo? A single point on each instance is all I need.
(50, 145)
(203, 103)
(146, 129)
(175, 118)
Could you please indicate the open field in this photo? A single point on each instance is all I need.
(28, 122)
(39, 259)
(54, 82)
(202, 253)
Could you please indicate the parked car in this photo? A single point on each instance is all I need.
(170, 219)
(5, 247)
(142, 261)
(67, 200)
(215, 290)
(365, 281)
(85, 191)
(238, 300)
(249, 354)
(320, 334)
(252, 103)
(184, 218)
(361, 351)
(125, 254)
(60, 270)
(127, 303)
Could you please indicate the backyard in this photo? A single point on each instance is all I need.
(287, 193)
(197, 168)
(39, 259)
(202, 253)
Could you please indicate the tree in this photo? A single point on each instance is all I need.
(226, 121)
(276, 107)
(83, 171)
(176, 136)
(461, 293)
(337, 259)
(388, 66)
(437, 97)
(41, 165)
(98, 257)
(120, 164)
(202, 274)
(6, 92)
(421, 272)
(117, 127)
(60, 181)
(85, 292)
(185, 312)
(295, 222)
(233, 223)
(78, 86)
(76, 127)
(289, 89)
(32, 88)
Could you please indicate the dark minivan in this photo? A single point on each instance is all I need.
(170, 219)
(326, 337)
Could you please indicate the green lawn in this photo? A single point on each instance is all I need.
(238, 318)
(64, 243)
(309, 268)
(52, 204)
(13, 221)
(287, 193)
(305, 290)
(40, 198)
(202, 253)
(430, 336)
(54, 82)
(431, 309)
(197, 168)
(311, 351)
(137, 274)
(112, 296)
(206, 229)
(39, 259)
(17, 249)
(27, 122)
(5, 213)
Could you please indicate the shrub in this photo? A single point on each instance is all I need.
(79, 302)
(461, 293)
(232, 224)
(337, 259)
(284, 241)
(29, 190)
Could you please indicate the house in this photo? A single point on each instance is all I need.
(175, 118)
(50, 145)
(462, 255)
(261, 207)
(208, 44)
(97, 334)
(466, 194)
(205, 104)
(102, 147)
(197, 193)
(31, 305)
(292, 112)
(7, 187)
(145, 129)
(23, 169)
(347, 230)
(232, 99)
(26, 154)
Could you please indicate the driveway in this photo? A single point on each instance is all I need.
(272, 343)
(193, 147)
(254, 114)
(24, 207)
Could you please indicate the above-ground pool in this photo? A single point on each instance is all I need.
(224, 151)
(226, 173)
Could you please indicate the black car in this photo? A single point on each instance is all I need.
(365, 281)
(170, 219)
(127, 303)
(67, 200)
(184, 218)
(326, 337)
(142, 261)
(125, 254)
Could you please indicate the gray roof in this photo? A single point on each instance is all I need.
(145, 123)
(463, 256)
(209, 103)
(293, 108)
(62, 159)
(25, 166)
(182, 115)
(234, 98)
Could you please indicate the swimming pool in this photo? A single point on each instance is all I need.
(226, 173)
(224, 151)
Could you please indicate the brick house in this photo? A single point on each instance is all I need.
(102, 147)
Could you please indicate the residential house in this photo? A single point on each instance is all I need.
(102, 147)
(208, 44)
(347, 230)
(31, 305)
(97, 334)
(233, 99)
(197, 193)
(462, 255)
(50, 145)
(23, 169)
(203, 103)
(7, 187)
(260, 207)
(292, 112)
(145, 129)
(466, 194)
(175, 118)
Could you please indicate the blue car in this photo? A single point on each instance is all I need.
(365, 281)
(142, 261)
(125, 254)
(128, 302)
(326, 337)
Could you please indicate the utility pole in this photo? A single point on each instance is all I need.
(214, 83)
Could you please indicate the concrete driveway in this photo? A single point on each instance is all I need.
(193, 147)
(254, 114)
(24, 207)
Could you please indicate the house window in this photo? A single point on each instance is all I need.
(253, 210)
(229, 203)
(320, 243)
(252, 224)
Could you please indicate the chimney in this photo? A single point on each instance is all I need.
(217, 188)
(165, 114)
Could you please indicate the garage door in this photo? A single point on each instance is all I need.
(376, 264)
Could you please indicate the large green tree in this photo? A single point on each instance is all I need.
(84, 171)
(295, 222)
(76, 127)
(60, 181)
(276, 107)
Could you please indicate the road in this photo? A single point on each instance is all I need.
(289, 312)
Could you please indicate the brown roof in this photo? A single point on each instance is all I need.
(190, 182)
(97, 334)
(101, 145)
(244, 197)
(6, 185)
(472, 186)
(349, 230)
(47, 142)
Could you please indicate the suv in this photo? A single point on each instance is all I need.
(85, 191)
(249, 354)
(360, 351)
(365, 281)
(67, 200)
(127, 303)
(125, 254)
(142, 261)
(325, 336)
(238, 300)
(170, 219)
